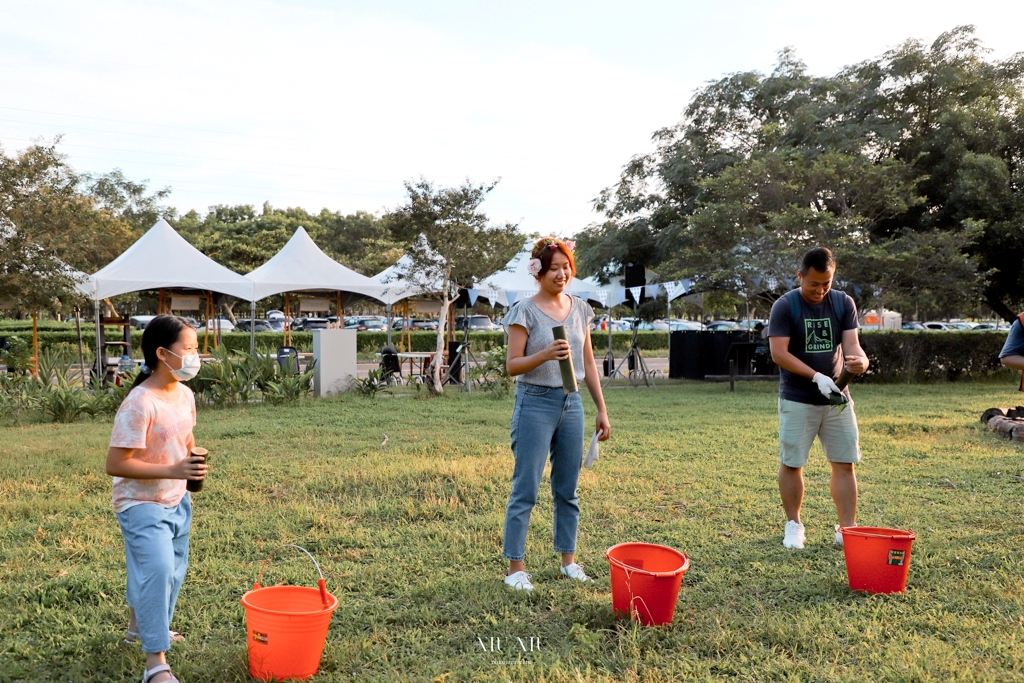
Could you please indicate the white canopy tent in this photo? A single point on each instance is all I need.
(515, 282)
(400, 282)
(403, 281)
(301, 266)
(163, 259)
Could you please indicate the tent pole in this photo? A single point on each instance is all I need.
(100, 360)
(252, 328)
(206, 332)
(389, 324)
(341, 323)
(287, 319)
(81, 351)
(216, 322)
(407, 331)
(35, 344)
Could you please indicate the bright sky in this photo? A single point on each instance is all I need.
(335, 103)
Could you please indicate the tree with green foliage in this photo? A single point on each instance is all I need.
(908, 166)
(54, 220)
(452, 243)
(242, 238)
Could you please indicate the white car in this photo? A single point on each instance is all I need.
(221, 324)
(939, 326)
(683, 325)
(139, 322)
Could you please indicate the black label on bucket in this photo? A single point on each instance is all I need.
(259, 637)
(896, 557)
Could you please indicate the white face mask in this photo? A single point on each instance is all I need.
(190, 365)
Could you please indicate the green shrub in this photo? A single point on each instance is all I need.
(65, 404)
(907, 356)
(372, 384)
(493, 373)
(18, 353)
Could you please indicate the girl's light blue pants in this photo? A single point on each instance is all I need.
(545, 420)
(156, 554)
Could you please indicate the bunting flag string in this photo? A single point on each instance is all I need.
(474, 294)
(602, 296)
(637, 293)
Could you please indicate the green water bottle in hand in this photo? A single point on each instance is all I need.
(569, 383)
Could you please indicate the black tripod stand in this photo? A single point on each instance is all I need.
(459, 363)
(634, 360)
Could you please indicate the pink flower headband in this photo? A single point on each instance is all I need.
(534, 265)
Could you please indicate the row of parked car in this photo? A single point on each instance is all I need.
(958, 326)
(276, 321)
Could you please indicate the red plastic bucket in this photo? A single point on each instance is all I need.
(877, 559)
(646, 580)
(286, 626)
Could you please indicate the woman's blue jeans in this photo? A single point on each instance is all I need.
(545, 420)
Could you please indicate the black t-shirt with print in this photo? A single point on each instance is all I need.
(815, 339)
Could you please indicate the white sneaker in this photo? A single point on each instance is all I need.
(794, 537)
(520, 581)
(839, 537)
(575, 571)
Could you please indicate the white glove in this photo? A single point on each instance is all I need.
(825, 384)
(591, 457)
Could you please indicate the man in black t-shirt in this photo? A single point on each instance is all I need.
(812, 331)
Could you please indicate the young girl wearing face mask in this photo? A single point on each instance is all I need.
(150, 460)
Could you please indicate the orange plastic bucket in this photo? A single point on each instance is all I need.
(646, 580)
(286, 626)
(877, 559)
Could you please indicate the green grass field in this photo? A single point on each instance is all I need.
(409, 536)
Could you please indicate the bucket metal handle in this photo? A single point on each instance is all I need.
(909, 534)
(319, 582)
(657, 575)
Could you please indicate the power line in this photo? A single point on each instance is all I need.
(238, 170)
(404, 148)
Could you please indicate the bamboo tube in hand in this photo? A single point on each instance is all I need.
(569, 383)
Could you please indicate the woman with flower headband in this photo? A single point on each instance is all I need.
(545, 418)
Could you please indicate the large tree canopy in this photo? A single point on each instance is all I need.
(459, 245)
(242, 238)
(908, 166)
(53, 220)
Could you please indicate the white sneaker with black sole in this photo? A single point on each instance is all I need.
(794, 538)
(519, 581)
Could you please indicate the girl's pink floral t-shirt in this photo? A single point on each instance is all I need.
(159, 430)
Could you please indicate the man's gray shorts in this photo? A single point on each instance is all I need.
(799, 423)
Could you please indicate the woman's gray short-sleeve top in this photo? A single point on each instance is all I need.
(538, 326)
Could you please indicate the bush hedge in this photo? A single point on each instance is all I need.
(907, 356)
(902, 356)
